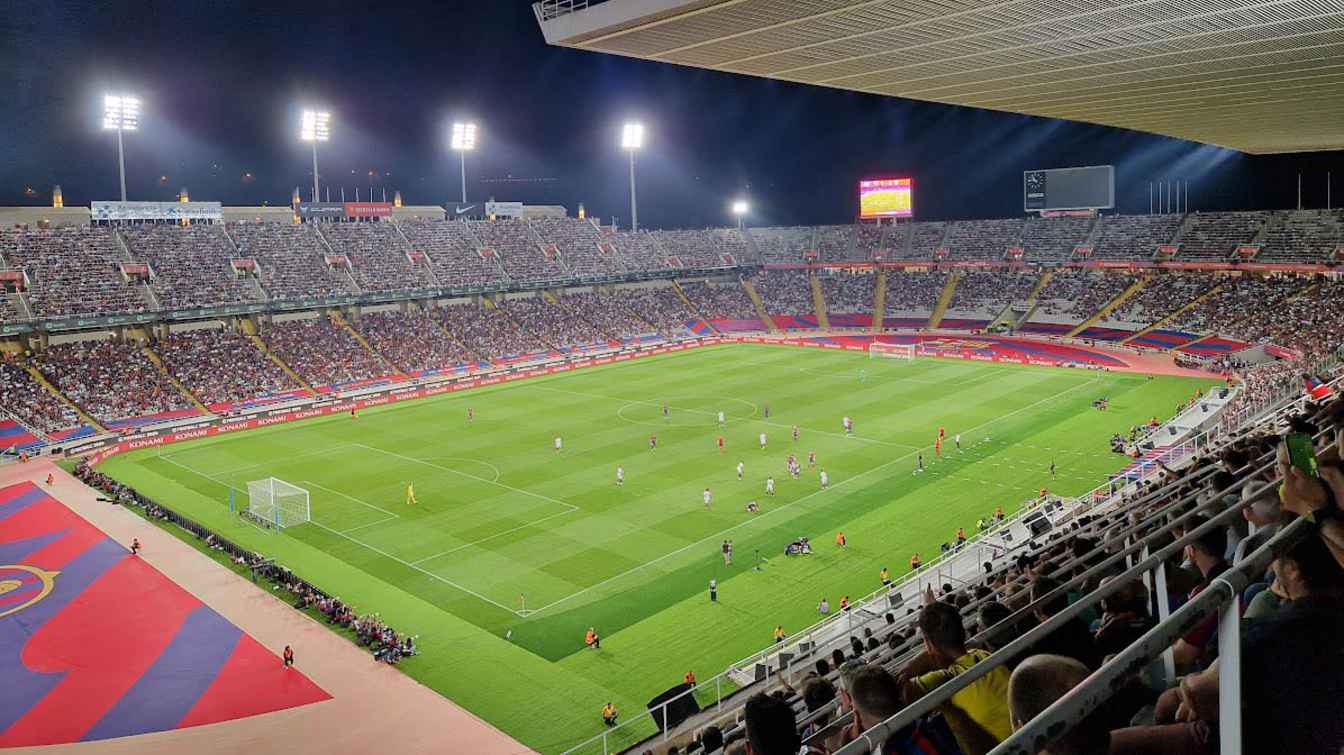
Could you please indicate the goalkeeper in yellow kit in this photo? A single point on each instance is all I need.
(410, 493)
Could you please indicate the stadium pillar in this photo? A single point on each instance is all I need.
(316, 197)
(634, 207)
(121, 165)
(463, 154)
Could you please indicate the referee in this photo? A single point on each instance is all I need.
(713, 590)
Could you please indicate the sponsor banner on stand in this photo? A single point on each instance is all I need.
(169, 211)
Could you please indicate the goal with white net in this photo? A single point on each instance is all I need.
(879, 350)
(276, 502)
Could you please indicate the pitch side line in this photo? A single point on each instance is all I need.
(410, 565)
(796, 501)
(714, 414)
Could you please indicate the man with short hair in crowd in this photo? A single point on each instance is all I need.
(1206, 553)
(978, 714)
(1036, 684)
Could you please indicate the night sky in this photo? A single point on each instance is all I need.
(223, 82)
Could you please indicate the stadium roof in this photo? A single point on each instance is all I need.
(1260, 77)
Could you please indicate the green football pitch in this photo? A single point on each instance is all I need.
(509, 535)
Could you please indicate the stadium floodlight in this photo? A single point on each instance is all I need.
(463, 140)
(121, 112)
(632, 139)
(740, 209)
(314, 127)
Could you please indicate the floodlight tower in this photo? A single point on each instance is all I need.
(463, 140)
(121, 112)
(315, 127)
(740, 209)
(632, 139)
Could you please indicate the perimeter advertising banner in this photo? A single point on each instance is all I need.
(321, 210)
(886, 198)
(368, 209)
(169, 211)
(504, 209)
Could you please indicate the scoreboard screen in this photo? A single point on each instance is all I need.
(886, 198)
(1091, 188)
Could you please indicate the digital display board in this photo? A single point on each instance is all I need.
(1091, 188)
(886, 198)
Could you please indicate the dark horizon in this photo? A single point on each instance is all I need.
(222, 93)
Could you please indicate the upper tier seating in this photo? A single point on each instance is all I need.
(577, 242)
(1304, 236)
(782, 245)
(983, 239)
(191, 265)
(452, 252)
(1214, 235)
(1134, 236)
(292, 260)
(1053, 239)
(518, 249)
(377, 255)
(74, 271)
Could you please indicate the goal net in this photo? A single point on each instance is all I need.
(275, 502)
(879, 350)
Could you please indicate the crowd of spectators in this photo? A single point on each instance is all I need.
(291, 260)
(1163, 295)
(603, 313)
(321, 352)
(848, 293)
(913, 292)
(487, 332)
(452, 251)
(1237, 298)
(377, 254)
(835, 242)
(659, 307)
(74, 271)
(639, 250)
(519, 250)
(549, 324)
(218, 366)
(577, 241)
(988, 293)
(1309, 236)
(191, 265)
(29, 402)
(410, 340)
(925, 239)
(785, 292)
(109, 379)
(696, 248)
(370, 630)
(720, 301)
(1080, 293)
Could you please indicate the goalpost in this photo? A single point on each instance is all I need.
(275, 502)
(879, 350)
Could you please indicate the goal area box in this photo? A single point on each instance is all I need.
(273, 501)
(878, 350)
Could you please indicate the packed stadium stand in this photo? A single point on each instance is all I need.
(1134, 236)
(322, 352)
(577, 242)
(220, 367)
(1163, 295)
(1078, 293)
(28, 401)
(190, 266)
(640, 250)
(783, 245)
(924, 240)
(453, 252)
(785, 292)
(848, 293)
(487, 332)
(110, 380)
(74, 271)
(291, 259)
(1304, 236)
(1052, 240)
(411, 341)
(519, 250)
(983, 239)
(1214, 235)
(377, 254)
(913, 292)
(988, 293)
(657, 307)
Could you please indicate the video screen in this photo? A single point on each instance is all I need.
(886, 198)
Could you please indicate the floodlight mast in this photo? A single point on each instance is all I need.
(315, 127)
(740, 209)
(463, 140)
(121, 112)
(632, 138)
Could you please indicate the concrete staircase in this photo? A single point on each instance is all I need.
(819, 302)
(84, 416)
(1173, 315)
(1110, 306)
(1012, 318)
(760, 306)
(879, 299)
(339, 320)
(265, 349)
(944, 300)
(157, 361)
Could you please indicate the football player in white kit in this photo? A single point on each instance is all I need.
(707, 497)
(769, 486)
(558, 443)
(740, 467)
(825, 480)
(620, 475)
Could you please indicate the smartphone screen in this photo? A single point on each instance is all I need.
(1301, 453)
